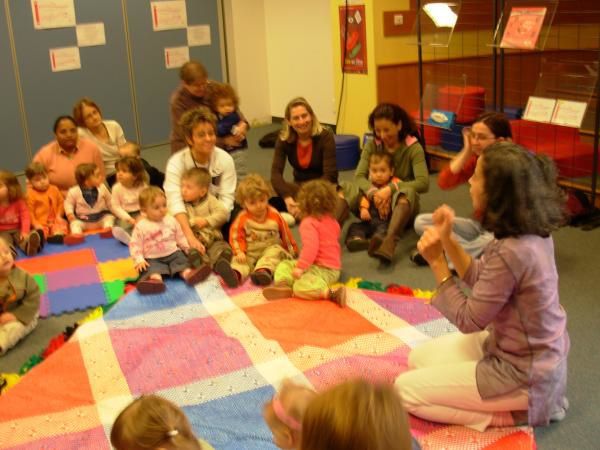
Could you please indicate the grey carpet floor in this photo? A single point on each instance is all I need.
(578, 261)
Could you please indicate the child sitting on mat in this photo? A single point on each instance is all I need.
(283, 414)
(151, 422)
(206, 215)
(19, 300)
(320, 261)
(259, 236)
(15, 222)
(357, 415)
(156, 246)
(46, 204)
(88, 205)
(131, 149)
(131, 179)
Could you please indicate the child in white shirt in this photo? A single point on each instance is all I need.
(156, 246)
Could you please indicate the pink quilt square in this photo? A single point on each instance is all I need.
(77, 276)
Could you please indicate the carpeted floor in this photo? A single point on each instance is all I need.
(578, 259)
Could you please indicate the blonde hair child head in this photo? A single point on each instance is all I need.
(13, 188)
(356, 415)
(252, 187)
(317, 198)
(148, 195)
(283, 414)
(131, 149)
(152, 422)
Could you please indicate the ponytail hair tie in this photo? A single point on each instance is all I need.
(172, 433)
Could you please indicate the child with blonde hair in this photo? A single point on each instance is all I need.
(206, 216)
(151, 422)
(131, 179)
(133, 150)
(88, 205)
(46, 204)
(19, 300)
(157, 245)
(15, 221)
(357, 415)
(259, 237)
(231, 128)
(283, 414)
(319, 264)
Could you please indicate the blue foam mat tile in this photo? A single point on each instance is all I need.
(76, 298)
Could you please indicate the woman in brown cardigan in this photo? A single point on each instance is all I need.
(310, 149)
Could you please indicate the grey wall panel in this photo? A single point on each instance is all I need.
(153, 81)
(104, 74)
(13, 153)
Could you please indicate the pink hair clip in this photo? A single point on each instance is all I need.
(284, 416)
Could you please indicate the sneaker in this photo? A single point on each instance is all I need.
(357, 244)
(56, 239)
(197, 275)
(418, 259)
(338, 296)
(150, 286)
(106, 233)
(33, 244)
(261, 277)
(561, 412)
(277, 291)
(289, 219)
(121, 235)
(73, 239)
(230, 276)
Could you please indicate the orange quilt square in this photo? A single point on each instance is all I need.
(296, 323)
(59, 261)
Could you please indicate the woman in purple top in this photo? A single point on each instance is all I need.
(509, 363)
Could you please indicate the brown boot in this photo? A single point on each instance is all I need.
(338, 296)
(399, 219)
(342, 211)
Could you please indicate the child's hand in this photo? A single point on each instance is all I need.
(7, 318)
(231, 141)
(141, 266)
(297, 273)
(240, 130)
(132, 221)
(240, 257)
(21, 237)
(365, 215)
(200, 222)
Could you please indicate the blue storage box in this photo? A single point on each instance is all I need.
(347, 151)
(452, 139)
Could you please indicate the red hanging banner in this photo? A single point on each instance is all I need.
(353, 36)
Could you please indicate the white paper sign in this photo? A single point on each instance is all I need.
(539, 109)
(198, 35)
(89, 34)
(169, 15)
(175, 57)
(569, 113)
(52, 14)
(65, 58)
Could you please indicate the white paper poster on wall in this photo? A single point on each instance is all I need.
(539, 109)
(65, 58)
(198, 35)
(52, 14)
(170, 15)
(90, 34)
(175, 57)
(569, 113)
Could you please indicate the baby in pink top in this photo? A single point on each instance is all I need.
(158, 244)
(320, 262)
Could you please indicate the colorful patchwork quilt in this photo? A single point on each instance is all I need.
(221, 354)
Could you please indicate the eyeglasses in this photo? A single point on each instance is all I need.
(481, 137)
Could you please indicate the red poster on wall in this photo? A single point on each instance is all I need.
(353, 37)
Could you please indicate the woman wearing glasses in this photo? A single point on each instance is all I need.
(489, 128)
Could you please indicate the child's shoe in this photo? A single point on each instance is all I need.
(229, 275)
(33, 244)
(197, 275)
(417, 258)
(278, 291)
(106, 233)
(121, 235)
(195, 258)
(56, 239)
(261, 277)
(338, 296)
(73, 239)
(150, 286)
(357, 244)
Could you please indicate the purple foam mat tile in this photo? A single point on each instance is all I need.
(44, 306)
(76, 298)
(77, 276)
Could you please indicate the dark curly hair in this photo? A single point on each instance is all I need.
(522, 194)
(396, 115)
